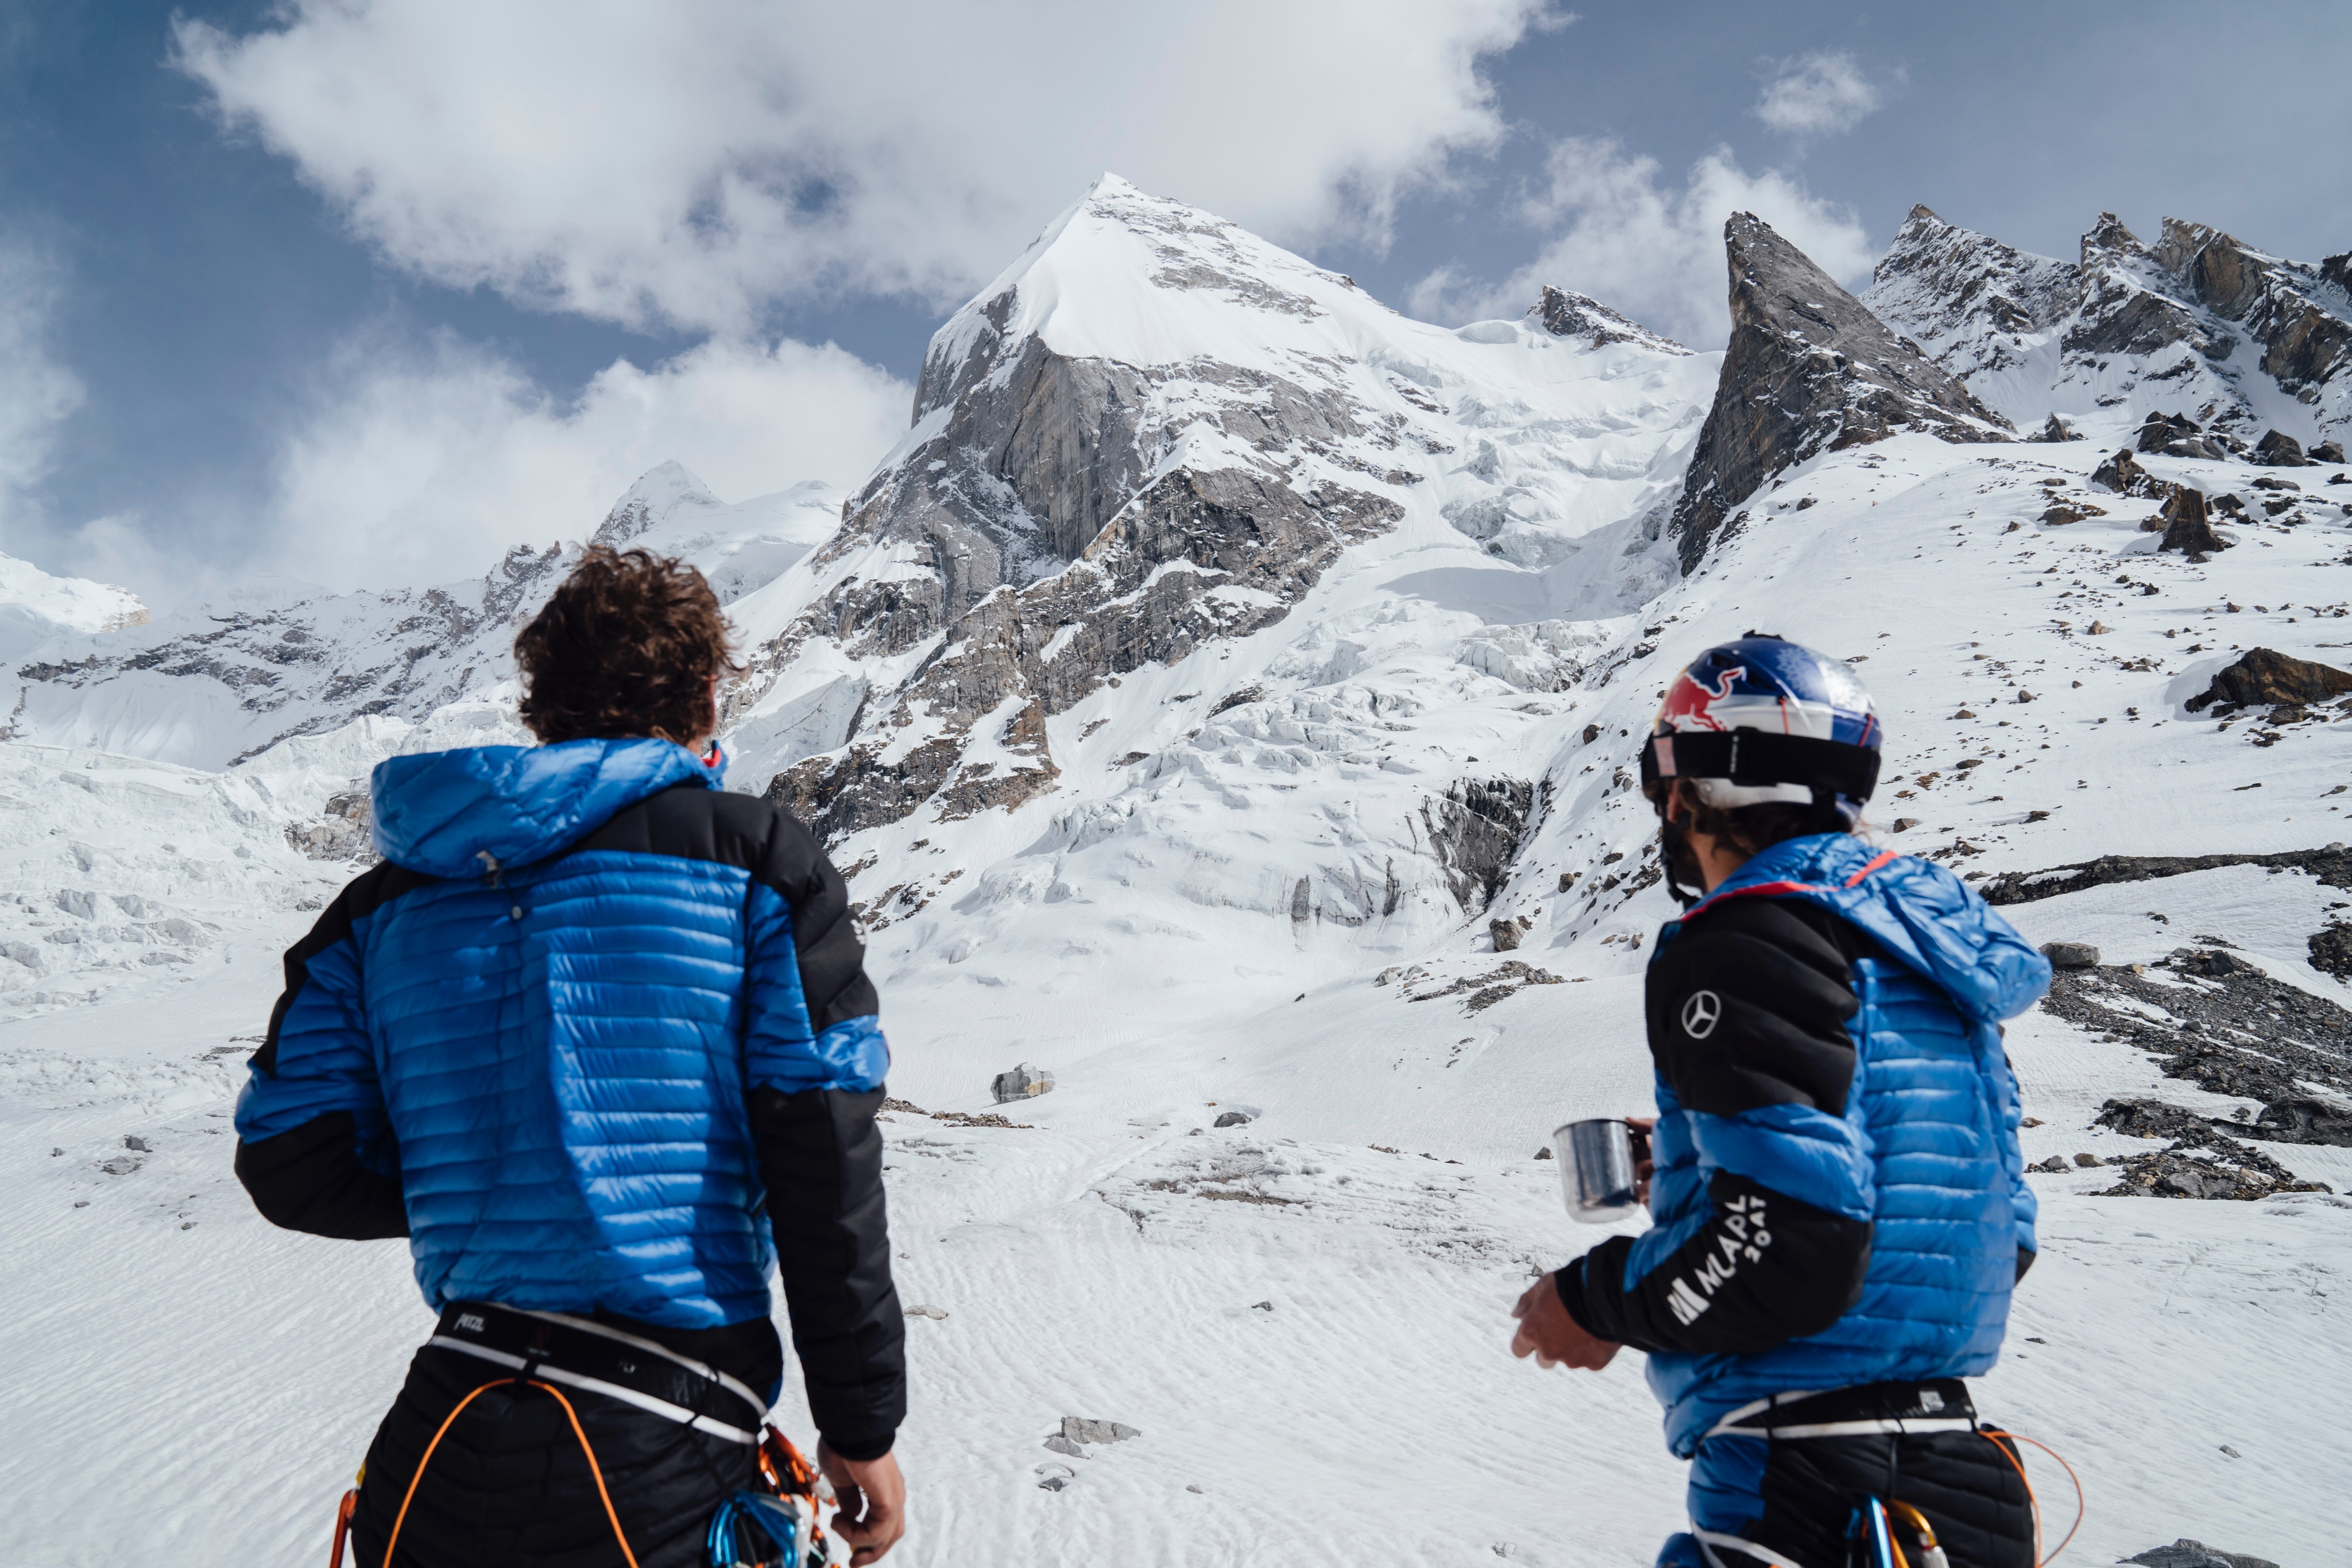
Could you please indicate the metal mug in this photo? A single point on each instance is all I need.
(1596, 1169)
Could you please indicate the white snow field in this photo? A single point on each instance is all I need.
(1240, 906)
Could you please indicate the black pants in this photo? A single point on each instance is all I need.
(509, 1488)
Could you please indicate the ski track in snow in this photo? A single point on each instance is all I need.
(1241, 908)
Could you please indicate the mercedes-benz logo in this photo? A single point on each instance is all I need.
(1701, 1014)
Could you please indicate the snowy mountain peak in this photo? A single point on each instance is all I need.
(657, 497)
(1973, 303)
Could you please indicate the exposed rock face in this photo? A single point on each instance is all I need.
(2264, 678)
(1475, 830)
(1567, 314)
(2121, 303)
(1809, 370)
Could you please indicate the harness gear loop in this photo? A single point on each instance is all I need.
(342, 1526)
(595, 1470)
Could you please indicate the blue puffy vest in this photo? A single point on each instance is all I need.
(553, 1046)
(1927, 1149)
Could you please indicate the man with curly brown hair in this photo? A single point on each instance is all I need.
(596, 1037)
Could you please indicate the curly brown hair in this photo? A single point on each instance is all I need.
(627, 647)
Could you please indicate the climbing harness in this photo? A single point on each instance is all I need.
(1876, 1531)
(540, 1350)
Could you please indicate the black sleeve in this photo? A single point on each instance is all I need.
(821, 1159)
(1762, 1270)
(1748, 1007)
(832, 957)
(2025, 1256)
(311, 1179)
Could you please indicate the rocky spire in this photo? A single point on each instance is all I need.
(1809, 368)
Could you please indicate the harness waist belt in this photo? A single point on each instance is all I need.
(1940, 1405)
(582, 1354)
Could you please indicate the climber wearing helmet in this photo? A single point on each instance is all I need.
(1838, 1200)
(596, 1037)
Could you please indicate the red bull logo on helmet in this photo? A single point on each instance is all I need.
(1768, 685)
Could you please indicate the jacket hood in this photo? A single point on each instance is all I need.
(1928, 919)
(464, 813)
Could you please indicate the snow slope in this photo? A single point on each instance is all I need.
(1260, 877)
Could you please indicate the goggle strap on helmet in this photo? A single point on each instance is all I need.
(1758, 757)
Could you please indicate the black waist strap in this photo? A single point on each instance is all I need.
(579, 1354)
(1939, 1404)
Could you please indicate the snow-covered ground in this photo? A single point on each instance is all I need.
(1231, 898)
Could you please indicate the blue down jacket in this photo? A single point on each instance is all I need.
(551, 1014)
(1925, 1149)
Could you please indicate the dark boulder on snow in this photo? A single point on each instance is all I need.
(2177, 435)
(2327, 452)
(2186, 525)
(1564, 313)
(2071, 955)
(2055, 429)
(2124, 476)
(2263, 677)
(2187, 1554)
(1809, 370)
(2277, 449)
(1022, 1082)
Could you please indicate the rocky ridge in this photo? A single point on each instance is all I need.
(2198, 322)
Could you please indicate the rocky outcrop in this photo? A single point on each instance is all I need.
(2277, 449)
(2177, 435)
(2331, 866)
(1567, 314)
(2124, 476)
(2186, 527)
(2121, 303)
(1809, 371)
(2304, 344)
(2263, 677)
(1474, 832)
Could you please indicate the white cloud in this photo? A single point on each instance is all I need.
(690, 165)
(1652, 251)
(427, 468)
(426, 465)
(36, 396)
(1820, 94)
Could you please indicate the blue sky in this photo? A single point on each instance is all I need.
(366, 292)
